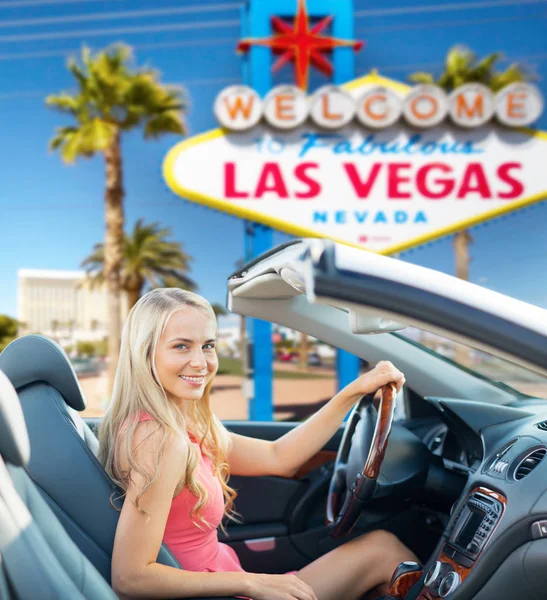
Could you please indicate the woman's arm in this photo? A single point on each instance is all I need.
(286, 455)
(135, 572)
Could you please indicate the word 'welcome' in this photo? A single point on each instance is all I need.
(286, 107)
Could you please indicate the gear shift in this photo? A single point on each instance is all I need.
(405, 576)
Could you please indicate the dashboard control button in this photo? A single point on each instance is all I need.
(449, 584)
(473, 547)
(539, 529)
(463, 560)
(433, 574)
(448, 551)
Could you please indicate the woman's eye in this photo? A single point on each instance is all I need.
(180, 346)
(209, 346)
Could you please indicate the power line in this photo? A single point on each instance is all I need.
(57, 35)
(128, 14)
(153, 45)
(432, 65)
(212, 24)
(430, 25)
(22, 3)
(43, 94)
(215, 80)
(409, 10)
(235, 22)
(416, 9)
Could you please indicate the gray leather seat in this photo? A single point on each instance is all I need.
(63, 465)
(39, 560)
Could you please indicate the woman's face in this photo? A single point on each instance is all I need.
(185, 357)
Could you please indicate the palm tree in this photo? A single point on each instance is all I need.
(71, 325)
(113, 97)
(149, 260)
(219, 310)
(462, 66)
(54, 328)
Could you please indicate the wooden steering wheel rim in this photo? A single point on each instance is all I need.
(382, 430)
(343, 518)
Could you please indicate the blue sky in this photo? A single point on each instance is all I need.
(51, 214)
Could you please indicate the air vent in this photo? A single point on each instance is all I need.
(496, 465)
(542, 425)
(529, 463)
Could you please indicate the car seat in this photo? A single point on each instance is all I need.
(39, 560)
(63, 463)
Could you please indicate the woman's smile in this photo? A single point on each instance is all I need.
(193, 380)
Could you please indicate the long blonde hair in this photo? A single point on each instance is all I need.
(137, 389)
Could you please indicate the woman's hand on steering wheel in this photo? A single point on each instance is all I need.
(369, 383)
(363, 445)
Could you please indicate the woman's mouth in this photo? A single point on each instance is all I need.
(194, 380)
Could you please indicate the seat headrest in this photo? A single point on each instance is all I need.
(34, 358)
(14, 442)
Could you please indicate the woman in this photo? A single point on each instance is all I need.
(171, 456)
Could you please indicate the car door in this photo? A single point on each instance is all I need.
(283, 520)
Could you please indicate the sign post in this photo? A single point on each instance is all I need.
(256, 23)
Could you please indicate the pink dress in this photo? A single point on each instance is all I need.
(199, 549)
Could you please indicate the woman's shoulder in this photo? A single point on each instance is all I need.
(152, 441)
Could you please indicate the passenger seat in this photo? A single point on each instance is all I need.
(39, 560)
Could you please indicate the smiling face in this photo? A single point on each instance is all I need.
(185, 357)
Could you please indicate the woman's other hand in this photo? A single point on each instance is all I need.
(383, 373)
(279, 587)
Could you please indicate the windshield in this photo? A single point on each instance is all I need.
(502, 373)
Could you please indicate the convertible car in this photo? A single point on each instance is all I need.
(455, 465)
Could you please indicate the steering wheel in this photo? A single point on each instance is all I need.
(359, 459)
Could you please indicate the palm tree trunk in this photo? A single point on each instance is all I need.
(462, 239)
(132, 298)
(113, 250)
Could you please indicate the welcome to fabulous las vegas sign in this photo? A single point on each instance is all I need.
(373, 163)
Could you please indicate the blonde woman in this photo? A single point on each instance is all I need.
(161, 444)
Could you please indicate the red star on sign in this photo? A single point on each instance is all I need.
(300, 44)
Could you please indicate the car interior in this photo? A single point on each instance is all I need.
(456, 470)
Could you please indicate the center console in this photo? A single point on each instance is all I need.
(467, 535)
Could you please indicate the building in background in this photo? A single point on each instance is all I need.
(62, 305)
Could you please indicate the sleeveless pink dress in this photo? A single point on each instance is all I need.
(199, 549)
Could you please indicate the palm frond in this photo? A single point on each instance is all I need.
(421, 77)
(461, 67)
(63, 102)
(483, 70)
(168, 122)
(111, 93)
(513, 74)
(149, 257)
(94, 265)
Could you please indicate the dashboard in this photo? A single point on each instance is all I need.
(495, 543)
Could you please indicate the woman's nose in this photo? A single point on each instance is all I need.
(198, 359)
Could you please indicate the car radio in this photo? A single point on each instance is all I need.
(473, 524)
